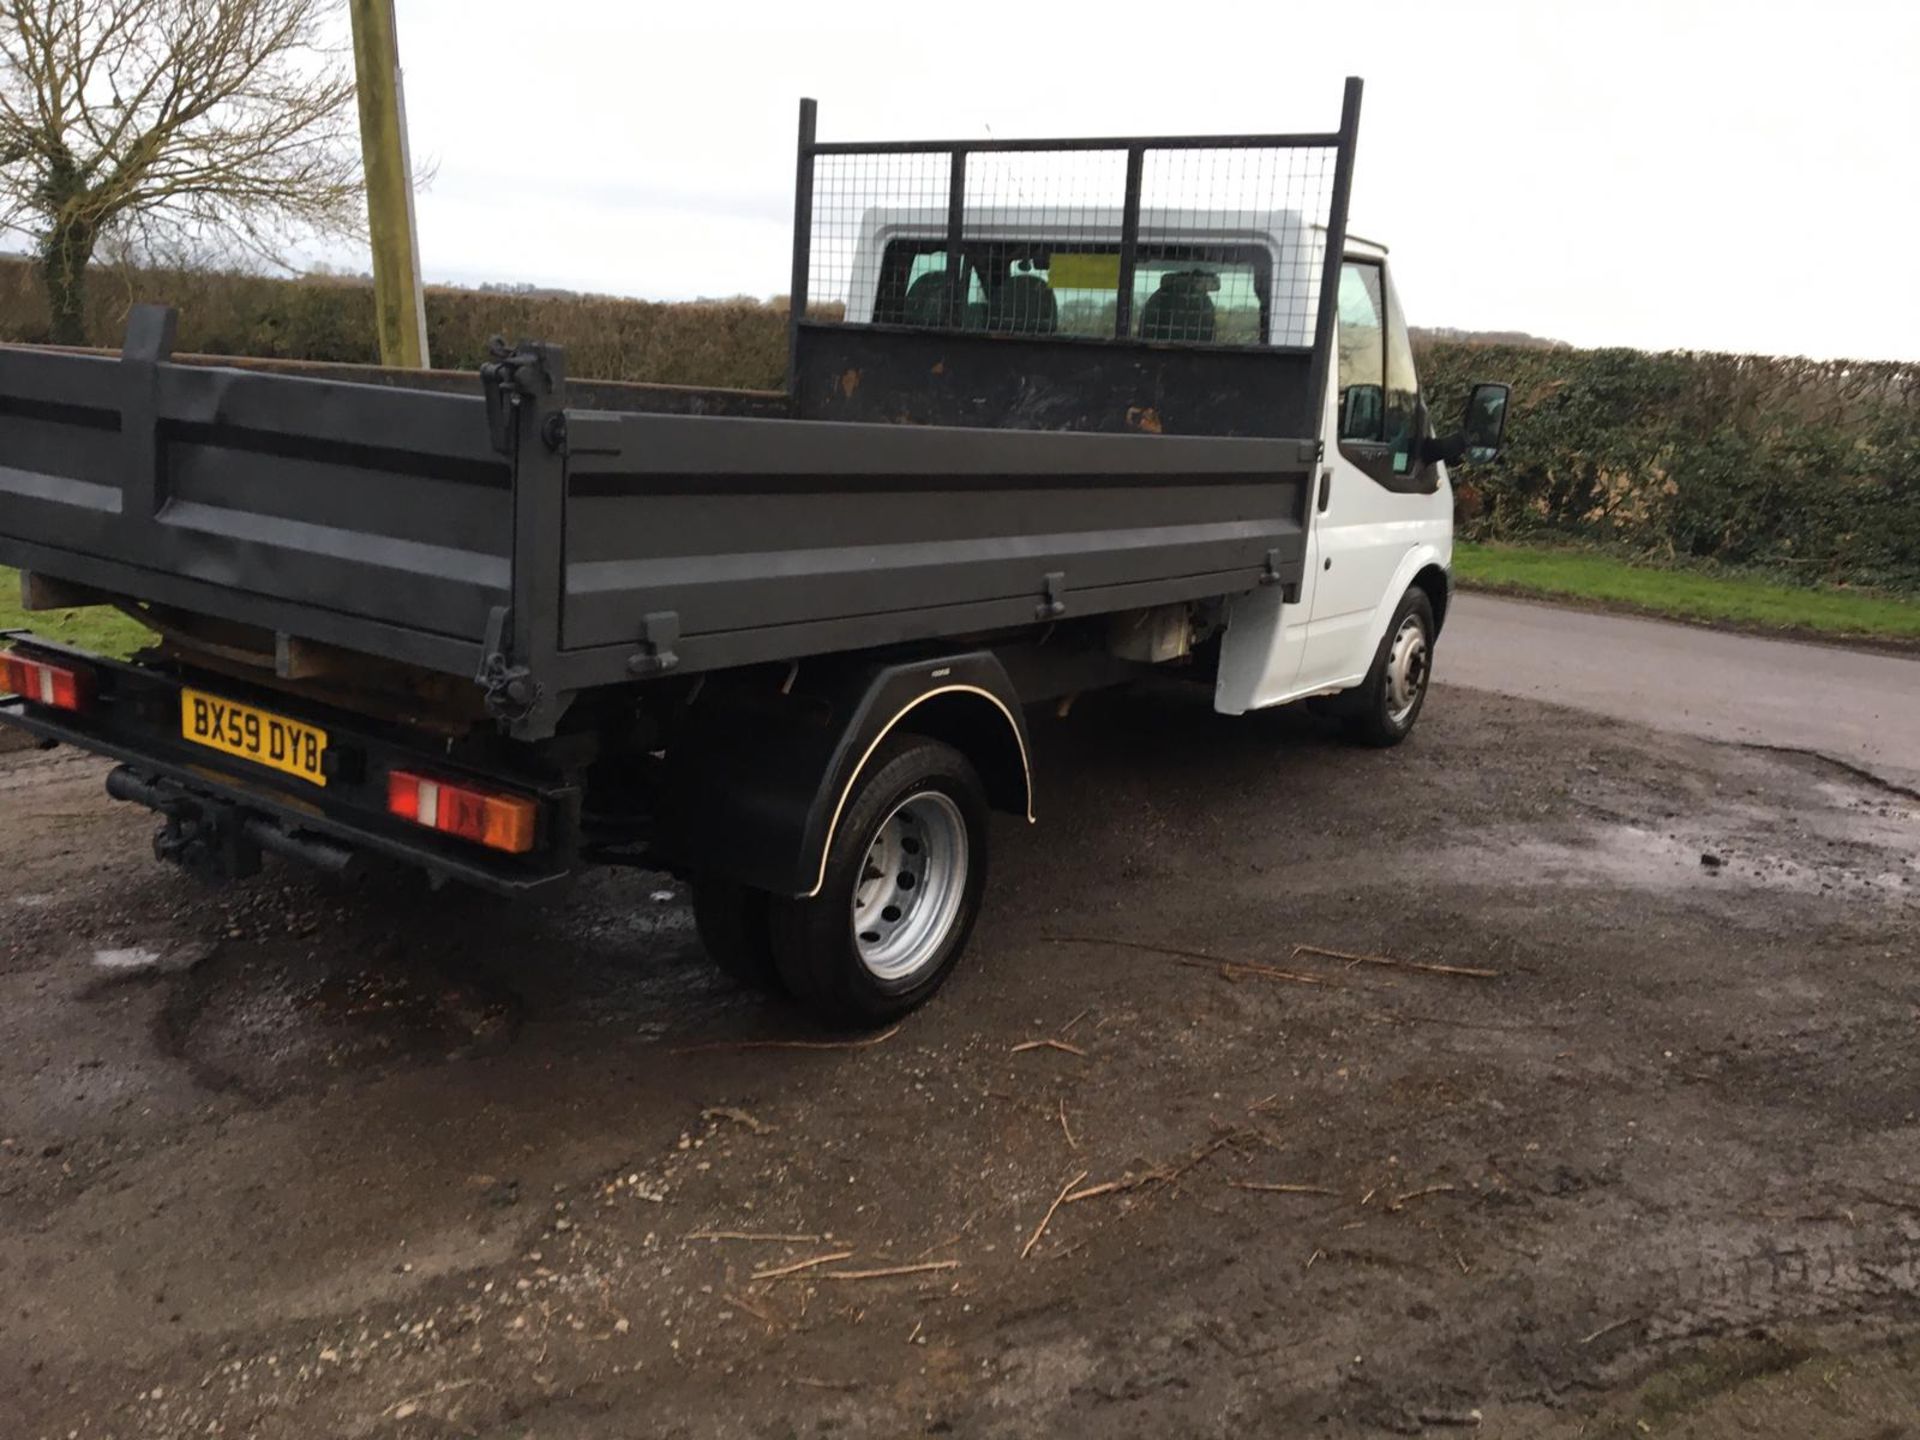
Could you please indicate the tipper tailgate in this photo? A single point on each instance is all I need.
(371, 517)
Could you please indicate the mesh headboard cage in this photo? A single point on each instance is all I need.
(1220, 240)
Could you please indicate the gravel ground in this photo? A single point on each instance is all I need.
(289, 1161)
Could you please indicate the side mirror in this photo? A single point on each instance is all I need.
(1362, 411)
(1485, 423)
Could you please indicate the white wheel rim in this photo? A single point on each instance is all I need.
(911, 885)
(1406, 669)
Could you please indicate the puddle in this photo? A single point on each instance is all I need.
(1626, 856)
(268, 1026)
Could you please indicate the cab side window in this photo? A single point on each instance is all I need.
(1379, 394)
(1363, 354)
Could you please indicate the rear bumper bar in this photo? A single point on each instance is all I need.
(337, 829)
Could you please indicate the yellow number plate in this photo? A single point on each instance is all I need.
(257, 735)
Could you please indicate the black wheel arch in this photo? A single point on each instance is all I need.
(1437, 583)
(759, 770)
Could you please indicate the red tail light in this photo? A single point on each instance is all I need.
(500, 822)
(60, 686)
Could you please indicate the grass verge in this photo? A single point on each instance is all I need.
(98, 628)
(1739, 601)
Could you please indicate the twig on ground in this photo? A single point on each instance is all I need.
(1228, 967)
(767, 1317)
(1131, 945)
(800, 1265)
(739, 1117)
(863, 1044)
(1219, 1142)
(1407, 1018)
(1066, 1129)
(1047, 1219)
(889, 1271)
(1883, 1201)
(1067, 1029)
(1160, 1174)
(918, 1326)
(1472, 972)
(1311, 1258)
(1609, 1329)
(1049, 1044)
(952, 1239)
(1281, 1189)
(412, 1403)
(1110, 1187)
(1401, 1202)
(751, 1235)
(1231, 969)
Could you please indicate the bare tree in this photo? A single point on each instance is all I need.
(173, 124)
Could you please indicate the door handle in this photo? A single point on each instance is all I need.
(1326, 489)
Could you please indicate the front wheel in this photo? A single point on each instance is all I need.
(1388, 702)
(905, 871)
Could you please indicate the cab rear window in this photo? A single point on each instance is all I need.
(1180, 294)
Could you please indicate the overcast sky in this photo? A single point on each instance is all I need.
(1740, 175)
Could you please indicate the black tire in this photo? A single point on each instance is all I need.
(1375, 714)
(815, 949)
(733, 923)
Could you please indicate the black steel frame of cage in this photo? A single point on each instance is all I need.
(1136, 148)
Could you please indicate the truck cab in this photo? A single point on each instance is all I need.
(1382, 518)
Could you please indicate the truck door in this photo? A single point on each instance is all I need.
(1376, 498)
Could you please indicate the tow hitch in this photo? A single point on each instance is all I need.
(219, 841)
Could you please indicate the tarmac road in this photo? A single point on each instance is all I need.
(1859, 706)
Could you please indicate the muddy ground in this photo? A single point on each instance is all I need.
(286, 1161)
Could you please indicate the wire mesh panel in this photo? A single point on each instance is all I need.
(1232, 242)
(857, 198)
(1039, 236)
(1209, 242)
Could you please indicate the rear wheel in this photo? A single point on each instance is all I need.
(1386, 705)
(733, 923)
(905, 871)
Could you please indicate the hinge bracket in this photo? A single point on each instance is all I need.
(1053, 589)
(511, 691)
(659, 633)
(509, 379)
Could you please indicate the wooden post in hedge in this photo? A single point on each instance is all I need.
(399, 302)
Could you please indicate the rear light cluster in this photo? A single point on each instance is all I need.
(487, 817)
(60, 686)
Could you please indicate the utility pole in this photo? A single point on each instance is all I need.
(399, 302)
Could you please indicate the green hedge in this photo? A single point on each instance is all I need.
(735, 343)
(1808, 468)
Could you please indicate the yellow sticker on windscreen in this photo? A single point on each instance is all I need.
(1073, 271)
